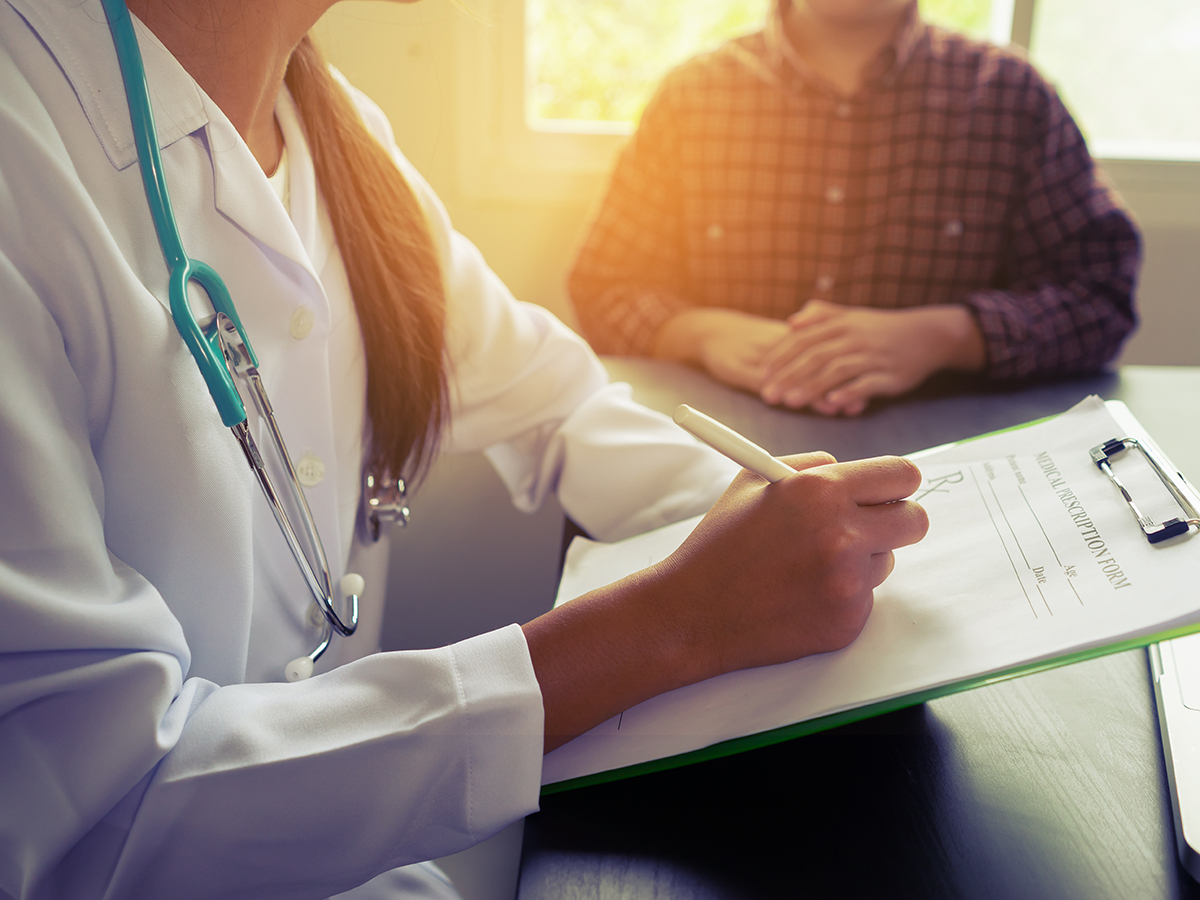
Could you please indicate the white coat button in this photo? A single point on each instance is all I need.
(715, 232)
(834, 193)
(824, 283)
(842, 110)
(310, 470)
(316, 618)
(302, 323)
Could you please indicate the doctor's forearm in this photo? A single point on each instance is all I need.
(773, 572)
(604, 653)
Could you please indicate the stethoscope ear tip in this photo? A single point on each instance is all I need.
(298, 669)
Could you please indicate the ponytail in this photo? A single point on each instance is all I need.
(393, 270)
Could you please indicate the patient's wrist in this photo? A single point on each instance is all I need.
(681, 337)
(957, 336)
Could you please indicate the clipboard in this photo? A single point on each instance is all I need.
(585, 760)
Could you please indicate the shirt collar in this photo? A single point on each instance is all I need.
(76, 34)
(892, 58)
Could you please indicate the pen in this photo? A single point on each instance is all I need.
(725, 440)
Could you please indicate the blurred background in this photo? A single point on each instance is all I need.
(513, 110)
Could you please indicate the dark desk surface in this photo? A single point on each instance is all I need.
(1047, 786)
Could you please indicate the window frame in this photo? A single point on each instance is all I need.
(500, 156)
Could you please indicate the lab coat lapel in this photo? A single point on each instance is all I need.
(78, 37)
(295, 366)
(302, 177)
(244, 196)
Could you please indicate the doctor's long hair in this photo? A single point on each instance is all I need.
(392, 265)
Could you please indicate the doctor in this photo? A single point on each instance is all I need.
(149, 746)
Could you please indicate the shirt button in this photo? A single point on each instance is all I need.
(824, 283)
(842, 110)
(715, 232)
(302, 323)
(834, 193)
(310, 470)
(953, 228)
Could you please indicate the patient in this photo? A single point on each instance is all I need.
(850, 200)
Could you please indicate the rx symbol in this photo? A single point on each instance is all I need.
(940, 485)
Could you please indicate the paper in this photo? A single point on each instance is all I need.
(1031, 554)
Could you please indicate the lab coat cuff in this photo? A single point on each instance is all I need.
(505, 724)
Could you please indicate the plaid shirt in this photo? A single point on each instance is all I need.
(953, 175)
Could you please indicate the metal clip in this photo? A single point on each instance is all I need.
(384, 499)
(1154, 532)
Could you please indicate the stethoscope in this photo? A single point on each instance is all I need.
(222, 351)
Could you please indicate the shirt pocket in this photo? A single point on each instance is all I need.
(940, 247)
(746, 249)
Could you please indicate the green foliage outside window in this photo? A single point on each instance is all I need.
(973, 17)
(600, 60)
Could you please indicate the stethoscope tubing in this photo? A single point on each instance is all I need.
(225, 349)
(183, 269)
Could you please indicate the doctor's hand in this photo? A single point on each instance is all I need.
(836, 358)
(729, 345)
(772, 573)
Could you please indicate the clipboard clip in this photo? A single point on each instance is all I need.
(1155, 532)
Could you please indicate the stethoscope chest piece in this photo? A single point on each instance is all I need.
(384, 500)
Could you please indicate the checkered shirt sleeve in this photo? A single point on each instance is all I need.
(628, 278)
(1071, 261)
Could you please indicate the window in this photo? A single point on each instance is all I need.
(1128, 72)
(973, 17)
(629, 45)
(548, 88)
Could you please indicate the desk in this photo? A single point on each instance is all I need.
(1047, 786)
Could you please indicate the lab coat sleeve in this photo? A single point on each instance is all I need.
(532, 394)
(123, 777)
(122, 774)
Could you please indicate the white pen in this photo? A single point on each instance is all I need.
(725, 440)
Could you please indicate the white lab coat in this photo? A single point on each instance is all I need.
(145, 595)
